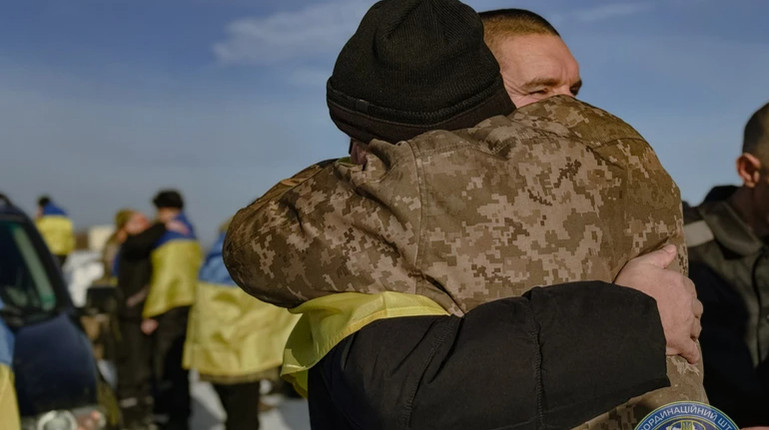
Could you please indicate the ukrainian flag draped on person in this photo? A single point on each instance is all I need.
(9, 412)
(232, 336)
(56, 228)
(176, 259)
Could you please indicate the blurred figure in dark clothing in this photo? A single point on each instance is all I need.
(176, 258)
(137, 238)
(133, 269)
(727, 243)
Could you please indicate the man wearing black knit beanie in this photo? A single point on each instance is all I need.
(414, 66)
(414, 272)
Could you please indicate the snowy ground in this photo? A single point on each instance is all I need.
(207, 413)
(289, 414)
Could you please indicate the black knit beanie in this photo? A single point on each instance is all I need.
(414, 66)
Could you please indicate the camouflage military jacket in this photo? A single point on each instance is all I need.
(558, 191)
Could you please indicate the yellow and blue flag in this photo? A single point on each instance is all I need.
(9, 411)
(232, 335)
(176, 259)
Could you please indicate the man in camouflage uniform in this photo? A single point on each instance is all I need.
(535, 62)
(449, 222)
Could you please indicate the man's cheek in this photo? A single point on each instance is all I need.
(523, 100)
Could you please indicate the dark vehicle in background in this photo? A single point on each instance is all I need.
(58, 384)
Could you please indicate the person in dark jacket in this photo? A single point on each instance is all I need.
(176, 258)
(133, 269)
(728, 246)
(233, 340)
(137, 238)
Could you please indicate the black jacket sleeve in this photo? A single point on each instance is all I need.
(600, 345)
(138, 246)
(552, 359)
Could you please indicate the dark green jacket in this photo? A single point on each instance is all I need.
(728, 264)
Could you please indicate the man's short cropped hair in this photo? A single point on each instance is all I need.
(755, 134)
(503, 23)
(43, 201)
(168, 199)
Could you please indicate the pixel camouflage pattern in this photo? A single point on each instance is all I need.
(558, 191)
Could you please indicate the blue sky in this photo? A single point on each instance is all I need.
(102, 102)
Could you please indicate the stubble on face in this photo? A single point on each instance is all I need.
(537, 66)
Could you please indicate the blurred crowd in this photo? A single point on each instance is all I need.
(176, 309)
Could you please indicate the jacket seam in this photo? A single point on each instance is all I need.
(342, 411)
(534, 334)
(419, 174)
(441, 337)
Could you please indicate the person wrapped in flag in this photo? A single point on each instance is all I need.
(234, 339)
(9, 412)
(176, 259)
(56, 228)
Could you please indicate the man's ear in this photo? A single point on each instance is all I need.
(748, 167)
(358, 152)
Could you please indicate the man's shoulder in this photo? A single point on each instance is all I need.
(559, 127)
(311, 183)
(690, 213)
(294, 181)
(493, 137)
(699, 223)
(559, 117)
(566, 115)
(715, 223)
(697, 233)
(446, 141)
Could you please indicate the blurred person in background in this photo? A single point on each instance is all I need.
(9, 411)
(234, 339)
(112, 246)
(56, 228)
(727, 244)
(136, 238)
(176, 259)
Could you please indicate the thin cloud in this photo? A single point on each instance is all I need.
(310, 77)
(614, 10)
(314, 31)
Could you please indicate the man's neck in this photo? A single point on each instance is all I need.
(741, 201)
